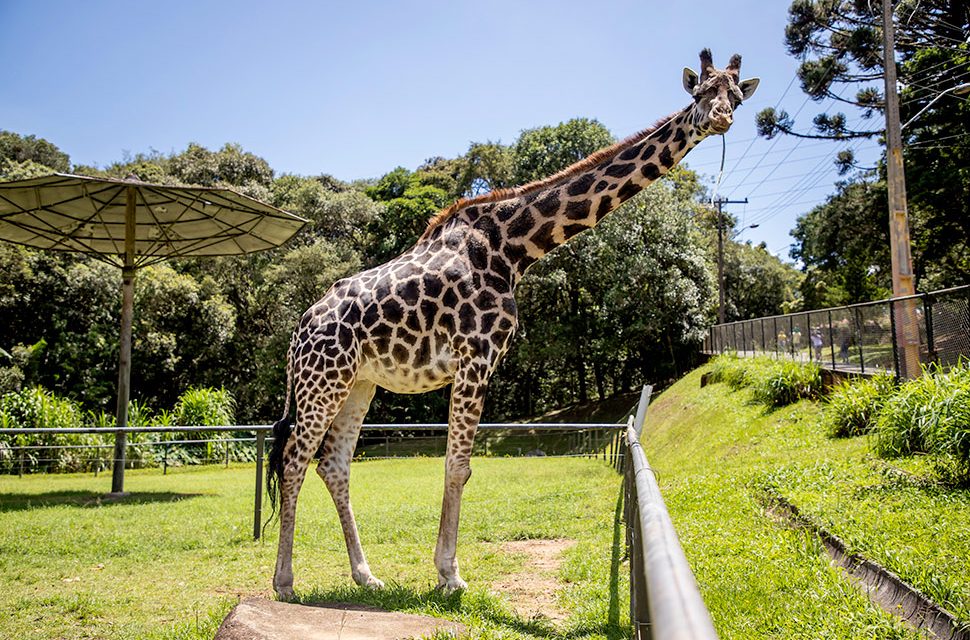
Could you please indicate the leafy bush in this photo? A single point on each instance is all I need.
(930, 414)
(774, 383)
(731, 370)
(780, 383)
(37, 408)
(204, 407)
(854, 405)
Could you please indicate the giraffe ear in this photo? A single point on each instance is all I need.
(690, 80)
(748, 86)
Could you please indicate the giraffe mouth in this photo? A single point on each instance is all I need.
(721, 125)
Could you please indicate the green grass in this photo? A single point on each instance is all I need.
(717, 454)
(171, 560)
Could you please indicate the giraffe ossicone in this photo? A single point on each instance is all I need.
(444, 313)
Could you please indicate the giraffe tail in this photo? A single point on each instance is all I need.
(281, 433)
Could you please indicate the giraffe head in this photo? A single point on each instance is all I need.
(717, 93)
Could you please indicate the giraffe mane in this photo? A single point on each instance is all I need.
(572, 170)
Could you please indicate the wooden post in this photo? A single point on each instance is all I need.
(124, 357)
(906, 330)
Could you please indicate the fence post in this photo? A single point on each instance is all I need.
(927, 300)
(165, 460)
(258, 502)
(21, 473)
(791, 336)
(895, 343)
(862, 335)
(226, 446)
(764, 341)
(832, 339)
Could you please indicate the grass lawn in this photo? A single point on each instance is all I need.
(717, 456)
(170, 560)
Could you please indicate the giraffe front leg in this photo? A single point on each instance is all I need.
(467, 399)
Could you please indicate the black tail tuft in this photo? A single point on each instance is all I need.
(274, 470)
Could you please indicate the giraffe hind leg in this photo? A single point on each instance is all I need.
(316, 412)
(334, 469)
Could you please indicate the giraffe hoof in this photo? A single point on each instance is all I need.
(373, 583)
(451, 585)
(284, 594)
(368, 581)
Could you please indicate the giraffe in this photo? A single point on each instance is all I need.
(444, 313)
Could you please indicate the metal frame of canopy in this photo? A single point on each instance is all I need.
(63, 212)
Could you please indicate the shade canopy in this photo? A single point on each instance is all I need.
(133, 224)
(62, 212)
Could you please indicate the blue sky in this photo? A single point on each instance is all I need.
(355, 89)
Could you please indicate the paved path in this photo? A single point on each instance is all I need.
(260, 619)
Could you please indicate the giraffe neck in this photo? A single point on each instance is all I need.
(532, 223)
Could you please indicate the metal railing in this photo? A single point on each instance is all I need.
(580, 439)
(664, 600)
(665, 603)
(859, 338)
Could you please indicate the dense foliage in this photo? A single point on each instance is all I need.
(622, 304)
(843, 243)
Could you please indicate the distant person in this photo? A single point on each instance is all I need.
(782, 341)
(845, 337)
(796, 339)
(817, 345)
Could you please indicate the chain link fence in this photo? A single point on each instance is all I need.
(898, 335)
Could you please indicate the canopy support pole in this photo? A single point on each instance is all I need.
(124, 358)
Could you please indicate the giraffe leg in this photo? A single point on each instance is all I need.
(334, 469)
(315, 416)
(467, 400)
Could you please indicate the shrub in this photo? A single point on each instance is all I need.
(930, 414)
(730, 369)
(37, 408)
(204, 407)
(854, 405)
(774, 383)
(780, 383)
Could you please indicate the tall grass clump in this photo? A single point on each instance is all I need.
(780, 383)
(774, 383)
(853, 406)
(930, 414)
(730, 369)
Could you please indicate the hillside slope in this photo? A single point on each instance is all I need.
(718, 456)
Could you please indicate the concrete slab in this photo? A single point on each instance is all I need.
(261, 619)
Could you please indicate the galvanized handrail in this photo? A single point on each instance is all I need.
(665, 603)
(389, 426)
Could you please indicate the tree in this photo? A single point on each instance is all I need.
(231, 166)
(27, 156)
(410, 199)
(543, 151)
(840, 44)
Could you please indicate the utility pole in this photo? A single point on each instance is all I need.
(907, 330)
(720, 254)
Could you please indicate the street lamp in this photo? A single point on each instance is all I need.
(958, 90)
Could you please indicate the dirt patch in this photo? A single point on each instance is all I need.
(532, 591)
